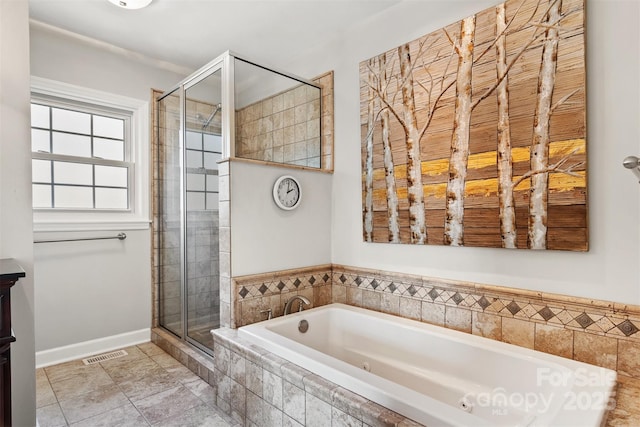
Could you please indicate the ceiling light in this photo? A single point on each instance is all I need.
(131, 4)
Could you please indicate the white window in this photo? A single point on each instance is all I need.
(90, 159)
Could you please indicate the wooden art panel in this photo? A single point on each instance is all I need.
(475, 134)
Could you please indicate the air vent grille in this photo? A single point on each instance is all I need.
(104, 357)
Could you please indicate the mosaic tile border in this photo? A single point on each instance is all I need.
(592, 316)
(256, 294)
(593, 331)
(597, 317)
(260, 286)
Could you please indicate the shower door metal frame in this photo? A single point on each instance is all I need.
(217, 65)
(223, 63)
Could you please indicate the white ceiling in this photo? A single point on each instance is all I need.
(190, 33)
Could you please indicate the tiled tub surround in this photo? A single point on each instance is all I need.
(291, 392)
(598, 332)
(291, 127)
(258, 388)
(425, 371)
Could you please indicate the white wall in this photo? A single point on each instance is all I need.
(15, 199)
(266, 238)
(97, 289)
(611, 268)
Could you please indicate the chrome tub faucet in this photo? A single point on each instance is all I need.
(289, 303)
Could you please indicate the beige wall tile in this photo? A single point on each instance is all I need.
(486, 325)
(321, 295)
(225, 239)
(339, 294)
(371, 300)
(595, 349)
(411, 308)
(390, 303)
(554, 340)
(354, 296)
(457, 318)
(629, 358)
(226, 288)
(626, 411)
(518, 332)
(433, 313)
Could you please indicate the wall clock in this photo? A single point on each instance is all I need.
(287, 192)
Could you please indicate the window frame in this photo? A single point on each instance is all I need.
(63, 95)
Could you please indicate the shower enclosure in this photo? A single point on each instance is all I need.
(231, 108)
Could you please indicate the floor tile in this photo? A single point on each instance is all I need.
(201, 415)
(44, 392)
(87, 380)
(167, 404)
(203, 390)
(183, 374)
(64, 371)
(146, 386)
(166, 361)
(50, 416)
(150, 349)
(92, 403)
(124, 416)
(133, 370)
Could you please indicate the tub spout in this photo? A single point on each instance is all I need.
(303, 300)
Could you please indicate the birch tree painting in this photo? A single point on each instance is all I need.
(474, 135)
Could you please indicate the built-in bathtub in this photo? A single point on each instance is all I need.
(437, 376)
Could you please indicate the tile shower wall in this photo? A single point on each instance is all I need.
(285, 128)
(203, 284)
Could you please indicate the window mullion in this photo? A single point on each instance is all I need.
(93, 184)
(53, 197)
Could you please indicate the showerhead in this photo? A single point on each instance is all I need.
(213, 114)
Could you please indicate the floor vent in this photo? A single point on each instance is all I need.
(104, 357)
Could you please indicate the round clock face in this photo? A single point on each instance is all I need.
(287, 192)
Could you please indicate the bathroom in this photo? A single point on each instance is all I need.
(80, 295)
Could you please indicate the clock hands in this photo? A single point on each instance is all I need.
(289, 189)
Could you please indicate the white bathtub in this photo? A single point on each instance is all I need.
(437, 376)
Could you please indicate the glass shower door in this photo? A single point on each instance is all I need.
(202, 151)
(169, 211)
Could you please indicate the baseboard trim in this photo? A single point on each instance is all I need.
(89, 348)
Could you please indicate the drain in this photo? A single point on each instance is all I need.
(104, 357)
(465, 405)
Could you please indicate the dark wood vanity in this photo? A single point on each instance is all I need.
(10, 273)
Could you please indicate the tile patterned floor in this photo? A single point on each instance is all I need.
(146, 387)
